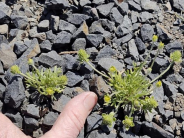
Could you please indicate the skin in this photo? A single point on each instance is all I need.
(68, 124)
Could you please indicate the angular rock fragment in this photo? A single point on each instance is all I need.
(44, 25)
(15, 117)
(31, 122)
(123, 8)
(66, 26)
(50, 118)
(73, 78)
(134, 6)
(132, 49)
(46, 46)
(62, 39)
(7, 56)
(105, 9)
(171, 47)
(147, 32)
(94, 40)
(54, 23)
(20, 22)
(178, 4)
(4, 29)
(149, 5)
(57, 4)
(19, 48)
(140, 45)
(15, 93)
(79, 43)
(106, 63)
(116, 16)
(78, 19)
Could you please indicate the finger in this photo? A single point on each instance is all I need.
(72, 118)
(9, 130)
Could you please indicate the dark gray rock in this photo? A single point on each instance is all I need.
(15, 93)
(78, 44)
(178, 4)
(3, 39)
(123, 39)
(160, 65)
(149, 5)
(31, 122)
(20, 22)
(86, 70)
(171, 47)
(58, 105)
(57, 4)
(4, 18)
(54, 23)
(101, 134)
(78, 19)
(15, 117)
(127, 134)
(105, 9)
(19, 48)
(50, 59)
(81, 32)
(181, 87)
(98, 2)
(169, 89)
(32, 110)
(132, 50)
(50, 118)
(85, 85)
(136, 26)
(50, 36)
(147, 32)
(93, 121)
(62, 39)
(107, 25)
(105, 52)
(140, 45)
(134, 16)
(168, 114)
(44, 25)
(96, 28)
(70, 62)
(153, 130)
(174, 78)
(106, 63)
(168, 128)
(82, 3)
(116, 16)
(73, 78)
(2, 90)
(1, 69)
(94, 40)
(163, 34)
(145, 16)
(134, 6)
(121, 31)
(46, 46)
(66, 26)
(123, 8)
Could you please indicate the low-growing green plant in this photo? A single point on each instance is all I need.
(132, 90)
(46, 82)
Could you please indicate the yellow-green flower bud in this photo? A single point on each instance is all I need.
(15, 69)
(30, 62)
(108, 119)
(128, 122)
(49, 91)
(153, 102)
(160, 45)
(149, 70)
(107, 99)
(159, 84)
(112, 69)
(83, 56)
(176, 56)
(137, 104)
(155, 38)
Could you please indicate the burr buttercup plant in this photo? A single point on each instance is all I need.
(132, 90)
(46, 82)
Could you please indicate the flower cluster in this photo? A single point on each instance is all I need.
(46, 82)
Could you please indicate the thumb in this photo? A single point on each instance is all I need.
(72, 118)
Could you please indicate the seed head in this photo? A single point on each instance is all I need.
(176, 56)
(30, 62)
(15, 69)
(160, 45)
(128, 122)
(155, 38)
(83, 56)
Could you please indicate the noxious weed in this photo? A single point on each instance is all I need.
(132, 90)
(45, 82)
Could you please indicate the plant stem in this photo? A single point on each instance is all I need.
(162, 73)
(132, 108)
(154, 59)
(27, 77)
(97, 70)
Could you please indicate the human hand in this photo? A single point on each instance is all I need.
(68, 125)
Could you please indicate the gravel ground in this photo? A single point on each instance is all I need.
(115, 33)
